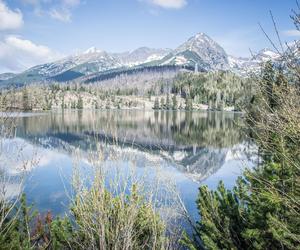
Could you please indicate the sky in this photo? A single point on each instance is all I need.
(38, 31)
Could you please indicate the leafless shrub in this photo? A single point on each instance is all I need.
(116, 205)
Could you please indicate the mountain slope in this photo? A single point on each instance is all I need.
(69, 68)
(201, 50)
(6, 76)
(244, 66)
(141, 55)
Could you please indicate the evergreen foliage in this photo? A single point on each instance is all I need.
(26, 101)
(216, 89)
(73, 105)
(80, 103)
(168, 102)
(156, 104)
(188, 103)
(262, 210)
(99, 220)
(174, 103)
(162, 103)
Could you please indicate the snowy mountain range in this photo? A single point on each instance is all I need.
(141, 55)
(243, 66)
(90, 61)
(200, 51)
(6, 76)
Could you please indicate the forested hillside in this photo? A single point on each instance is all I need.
(145, 89)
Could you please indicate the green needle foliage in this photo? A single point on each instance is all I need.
(188, 103)
(174, 103)
(263, 210)
(216, 89)
(156, 104)
(80, 103)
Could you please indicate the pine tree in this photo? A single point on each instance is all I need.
(3, 102)
(73, 105)
(210, 104)
(268, 80)
(26, 102)
(63, 101)
(222, 102)
(168, 102)
(281, 80)
(119, 104)
(161, 89)
(174, 102)
(107, 106)
(188, 103)
(156, 104)
(162, 103)
(80, 103)
(262, 210)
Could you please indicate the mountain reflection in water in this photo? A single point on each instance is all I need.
(190, 147)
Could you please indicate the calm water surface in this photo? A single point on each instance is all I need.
(190, 148)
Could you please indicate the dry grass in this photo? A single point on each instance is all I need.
(117, 205)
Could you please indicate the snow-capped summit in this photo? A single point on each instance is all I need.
(90, 61)
(200, 40)
(244, 66)
(92, 50)
(141, 55)
(293, 49)
(201, 50)
(6, 76)
(265, 55)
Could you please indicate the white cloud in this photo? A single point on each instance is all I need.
(53, 2)
(293, 33)
(63, 10)
(172, 4)
(57, 9)
(10, 19)
(168, 4)
(63, 14)
(17, 54)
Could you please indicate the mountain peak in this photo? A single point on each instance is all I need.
(201, 40)
(266, 51)
(92, 50)
(200, 35)
(200, 52)
(203, 51)
(143, 48)
(266, 54)
(141, 55)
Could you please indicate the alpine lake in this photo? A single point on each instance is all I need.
(186, 149)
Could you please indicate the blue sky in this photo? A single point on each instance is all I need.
(36, 31)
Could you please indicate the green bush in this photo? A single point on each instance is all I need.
(263, 210)
(98, 220)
